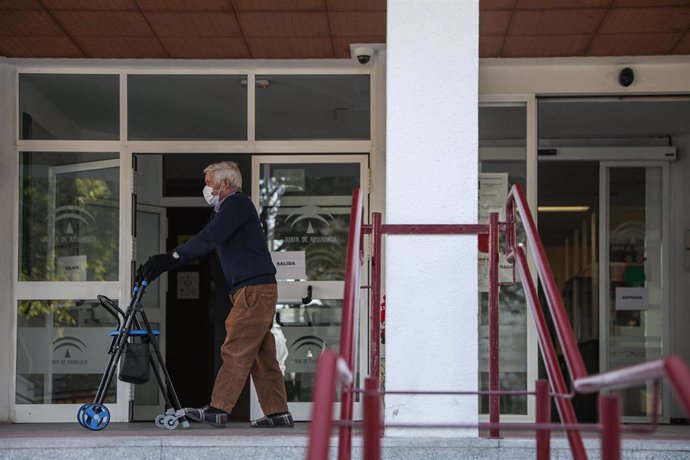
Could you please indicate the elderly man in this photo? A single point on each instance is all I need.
(235, 232)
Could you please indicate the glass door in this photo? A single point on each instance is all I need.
(634, 254)
(151, 228)
(304, 205)
(69, 253)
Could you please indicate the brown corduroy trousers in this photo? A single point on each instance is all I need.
(249, 347)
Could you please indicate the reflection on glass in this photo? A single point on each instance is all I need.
(306, 208)
(502, 163)
(69, 208)
(312, 107)
(634, 294)
(302, 333)
(181, 107)
(69, 107)
(62, 350)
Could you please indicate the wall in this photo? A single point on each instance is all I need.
(8, 200)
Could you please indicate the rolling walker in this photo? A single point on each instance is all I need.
(96, 416)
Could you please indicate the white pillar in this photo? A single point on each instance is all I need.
(8, 237)
(431, 178)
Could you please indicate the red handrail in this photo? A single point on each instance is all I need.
(340, 367)
(517, 202)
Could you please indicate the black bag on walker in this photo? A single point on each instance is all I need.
(134, 366)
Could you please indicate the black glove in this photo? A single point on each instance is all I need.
(156, 265)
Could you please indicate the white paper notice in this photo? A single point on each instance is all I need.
(72, 268)
(290, 265)
(505, 271)
(493, 191)
(631, 298)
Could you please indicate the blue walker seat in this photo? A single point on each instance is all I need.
(137, 332)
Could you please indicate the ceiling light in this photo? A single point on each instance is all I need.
(563, 208)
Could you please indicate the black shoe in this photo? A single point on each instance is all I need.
(283, 420)
(208, 415)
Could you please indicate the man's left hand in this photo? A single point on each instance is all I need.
(155, 266)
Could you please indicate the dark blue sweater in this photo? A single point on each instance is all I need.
(234, 231)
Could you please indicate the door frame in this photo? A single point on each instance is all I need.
(47, 290)
(295, 290)
(604, 167)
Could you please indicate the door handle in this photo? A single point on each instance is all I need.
(306, 300)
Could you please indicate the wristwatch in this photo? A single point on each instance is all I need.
(175, 255)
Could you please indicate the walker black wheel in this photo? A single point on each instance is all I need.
(80, 413)
(95, 417)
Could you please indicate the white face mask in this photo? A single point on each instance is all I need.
(210, 198)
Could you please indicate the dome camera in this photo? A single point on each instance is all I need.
(363, 54)
(626, 77)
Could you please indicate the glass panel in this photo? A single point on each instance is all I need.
(62, 350)
(181, 107)
(502, 163)
(69, 107)
(305, 209)
(183, 174)
(312, 107)
(301, 333)
(70, 217)
(634, 293)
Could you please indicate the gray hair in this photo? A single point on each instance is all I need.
(226, 170)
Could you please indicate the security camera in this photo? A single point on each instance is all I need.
(626, 77)
(363, 54)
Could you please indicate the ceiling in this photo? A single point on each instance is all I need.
(299, 29)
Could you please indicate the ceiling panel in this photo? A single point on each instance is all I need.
(636, 20)
(104, 23)
(28, 22)
(555, 22)
(279, 5)
(184, 5)
(555, 4)
(352, 24)
(194, 24)
(496, 4)
(538, 46)
(356, 5)
(298, 48)
(39, 47)
(206, 47)
(97, 5)
(494, 22)
(290, 24)
(633, 44)
(652, 3)
(683, 46)
(20, 5)
(121, 47)
(490, 46)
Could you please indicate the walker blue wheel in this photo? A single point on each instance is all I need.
(95, 417)
(80, 413)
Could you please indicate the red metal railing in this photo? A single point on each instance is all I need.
(339, 368)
